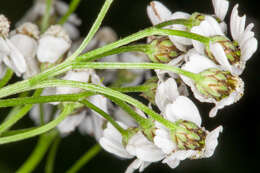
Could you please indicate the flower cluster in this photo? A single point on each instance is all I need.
(194, 52)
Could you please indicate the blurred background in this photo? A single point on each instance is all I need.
(239, 144)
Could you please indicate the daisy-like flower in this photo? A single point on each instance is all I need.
(215, 86)
(232, 55)
(25, 39)
(9, 54)
(178, 145)
(53, 44)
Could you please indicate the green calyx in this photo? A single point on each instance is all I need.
(196, 19)
(188, 136)
(162, 50)
(217, 84)
(130, 132)
(150, 94)
(231, 49)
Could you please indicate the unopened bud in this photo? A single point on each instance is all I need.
(189, 136)
(4, 26)
(218, 84)
(163, 50)
(29, 29)
(197, 18)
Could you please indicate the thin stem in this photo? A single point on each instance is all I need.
(72, 7)
(104, 91)
(143, 122)
(45, 99)
(116, 65)
(45, 20)
(145, 48)
(19, 114)
(106, 116)
(8, 75)
(39, 130)
(140, 88)
(85, 159)
(51, 156)
(139, 35)
(185, 22)
(93, 29)
(39, 151)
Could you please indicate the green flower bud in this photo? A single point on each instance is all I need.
(189, 136)
(231, 49)
(218, 84)
(163, 50)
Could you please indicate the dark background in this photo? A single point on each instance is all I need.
(238, 149)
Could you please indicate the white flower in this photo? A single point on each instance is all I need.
(139, 146)
(232, 56)
(158, 13)
(53, 44)
(198, 63)
(26, 43)
(137, 164)
(112, 141)
(183, 109)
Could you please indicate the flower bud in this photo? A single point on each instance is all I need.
(218, 84)
(189, 136)
(197, 18)
(163, 50)
(4, 26)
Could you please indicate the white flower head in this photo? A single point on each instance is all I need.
(25, 41)
(184, 111)
(53, 44)
(232, 55)
(226, 88)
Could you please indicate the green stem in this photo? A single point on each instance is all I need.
(85, 159)
(140, 88)
(45, 20)
(39, 151)
(104, 91)
(139, 35)
(39, 130)
(143, 122)
(8, 75)
(118, 65)
(19, 114)
(45, 99)
(93, 29)
(72, 7)
(51, 156)
(185, 22)
(106, 116)
(145, 48)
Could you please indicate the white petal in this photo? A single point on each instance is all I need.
(158, 13)
(248, 49)
(211, 142)
(70, 123)
(166, 93)
(183, 109)
(220, 56)
(143, 149)
(51, 48)
(71, 30)
(220, 8)
(112, 142)
(137, 164)
(237, 23)
(35, 113)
